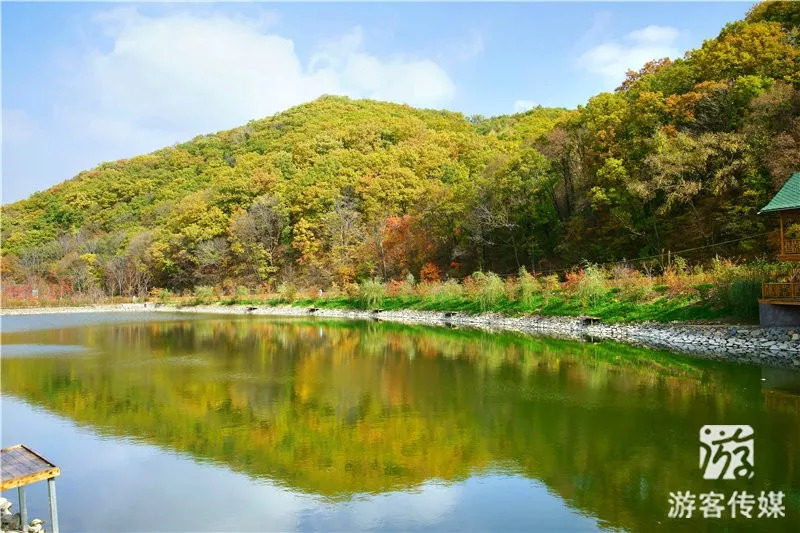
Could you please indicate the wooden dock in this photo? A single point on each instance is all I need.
(22, 466)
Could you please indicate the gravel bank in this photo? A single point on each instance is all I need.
(767, 346)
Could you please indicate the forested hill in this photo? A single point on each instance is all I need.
(682, 155)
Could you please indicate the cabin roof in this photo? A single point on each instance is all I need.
(787, 198)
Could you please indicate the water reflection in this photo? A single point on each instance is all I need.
(366, 424)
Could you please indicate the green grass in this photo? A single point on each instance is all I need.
(611, 307)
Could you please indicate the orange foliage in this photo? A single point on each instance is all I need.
(405, 244)
(429, 272)
(573, 280)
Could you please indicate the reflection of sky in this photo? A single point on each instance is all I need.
(488, 502)
(9, 351)
(14, 323)
(110, 484)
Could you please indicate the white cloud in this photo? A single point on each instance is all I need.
(654, 34)
(168, 78)
(186, 73)
(613, 59)
(356, 73)
(429, 504)
(520, 106)
(190, 75)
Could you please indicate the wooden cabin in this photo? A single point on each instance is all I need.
(780, 300)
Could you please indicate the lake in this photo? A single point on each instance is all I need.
(167, 422)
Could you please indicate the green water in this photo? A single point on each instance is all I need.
(176, 423)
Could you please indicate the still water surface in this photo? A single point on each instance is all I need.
(209, 423)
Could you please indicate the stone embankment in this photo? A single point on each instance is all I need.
(750, 344)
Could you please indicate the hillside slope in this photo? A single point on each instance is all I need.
(681, 156)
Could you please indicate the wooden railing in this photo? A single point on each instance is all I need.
(791, 246)
(780, 291)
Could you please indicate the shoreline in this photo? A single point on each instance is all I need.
(779, 347)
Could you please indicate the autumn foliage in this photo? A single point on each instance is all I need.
(337, 191)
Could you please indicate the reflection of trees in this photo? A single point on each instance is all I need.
(336, 408)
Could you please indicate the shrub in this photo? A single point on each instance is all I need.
(489, 289)
(429, 272)
(573, 280)
(424, 290)
(591, 287)
(403, 288)
(738, 287)
(394, 288)
(510, 288)
(528, 287)
(241, 293)
(676, 277)
(447, 290)
(704, 290)
(162, 295)
(635, 292)
(620, 272)
(680, 266)
(630, 284)
(743, 298)
(470, 287)
(550, 285)
(229, 288)
(345, 274)
(287, 291)
(333, 291)
(439, 291)
(370, 292)
(351, 290)
(203, 294)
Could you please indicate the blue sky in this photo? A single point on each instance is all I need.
(84, 83)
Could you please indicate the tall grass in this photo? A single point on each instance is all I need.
(488, 289)
(203, 294)
(287, 291)
(622, 293)
(528, 287)
(591, 286)
(370, 293)
(742, 298)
